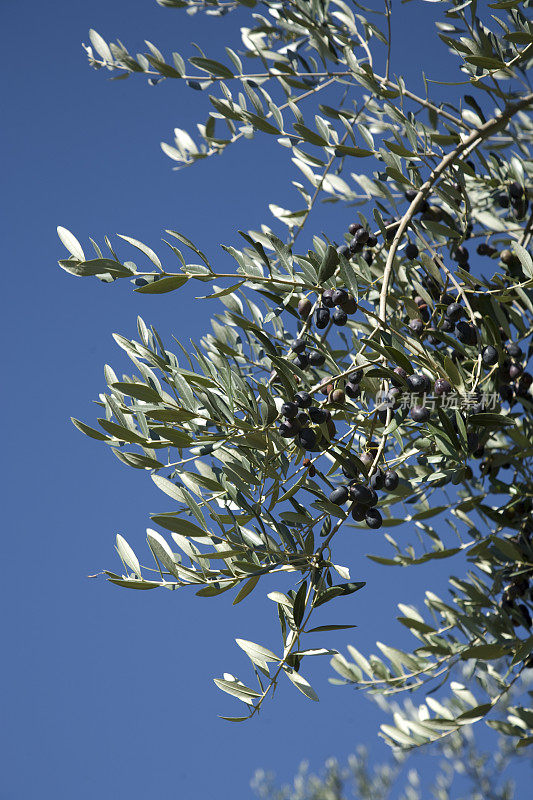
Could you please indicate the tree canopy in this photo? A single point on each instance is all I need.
(377, 379)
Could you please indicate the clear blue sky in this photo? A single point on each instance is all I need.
(109, 693)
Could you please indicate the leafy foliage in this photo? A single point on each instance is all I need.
(251, 494)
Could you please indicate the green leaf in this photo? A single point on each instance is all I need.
(328, 265)
(324, 628)
(162, 551)
(257, 652)
(525, 258)
(163, 285)
(140, 391)
(211, 66)
(485, 652)
(178, 524)
(94, 434)
(71, 243)
(128, 556)
(245, 589)
(143, 248)
(300, 683)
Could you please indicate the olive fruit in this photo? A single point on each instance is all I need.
(350, 306)
(339, 495)
(417, 383)
(447, 326)
(339, 296)
(327, 298)
(344, 250)
(377, 480)
(316, 359)
(515, 190)
(514, 350)
(306, 438)
(526, 379)
(419, 414)
(507, 256)
(446, 299)
(372, 241)
(358, 512)
(289, 410)
(304, 307)
(302, 360)
(391, 480)
(354, 227)
(515, 370)
(416, 326)
(337, 396)
(303, 399)
(466, 332)
(317, 415)
(373, 497)
(289, 429)
(361, 494)
(489, 355)
(322, 318)
(339, 317)
(353, 390)
(411, 251)
(460, 254)
(373, 518)
(454, 312)
(298, 345)
(362, 236)
(311, 469)
(366, 459)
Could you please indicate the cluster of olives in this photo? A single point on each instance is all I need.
(361, 238)
(340, 300)
(364, 498)
(299, 415)
(516, 197)
(304, 359)
(515, 382)
(519, 612)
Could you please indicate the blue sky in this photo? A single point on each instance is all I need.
(109, 693)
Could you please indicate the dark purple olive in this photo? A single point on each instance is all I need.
(307, 439)
(489, 355)
(454, 312)
(322, 318)
(339, 495)
(360, 493)
(289, 410)
(339, 317)
(316, 359)
(358, 512)
(419, 414)
(339, 296)
(327, 298)
(303, 399)
(373, 518)
(391, 480)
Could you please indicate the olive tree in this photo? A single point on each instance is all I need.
(370, 381)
